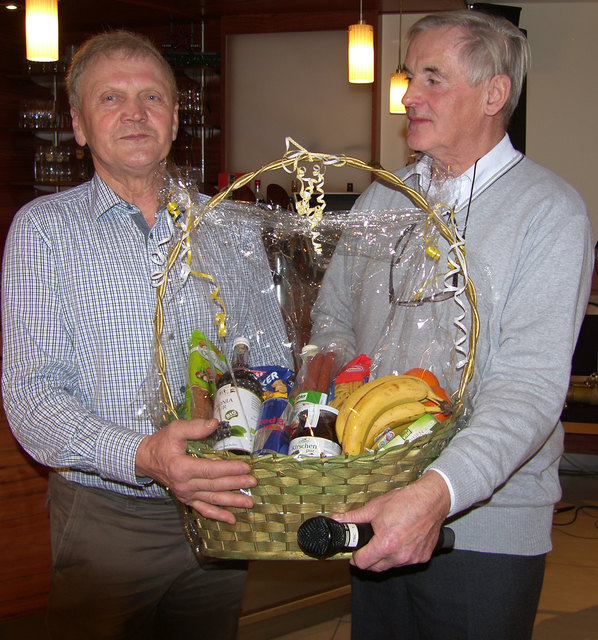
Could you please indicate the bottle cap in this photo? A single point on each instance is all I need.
(241, 340)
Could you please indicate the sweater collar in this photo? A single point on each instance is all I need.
(456, 191)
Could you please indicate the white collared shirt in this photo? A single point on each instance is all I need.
(456, 191)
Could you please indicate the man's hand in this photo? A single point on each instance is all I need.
(406, 524)
(205, 485)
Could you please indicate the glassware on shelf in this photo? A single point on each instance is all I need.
(191, 105)
(43, 114)
(60, 163)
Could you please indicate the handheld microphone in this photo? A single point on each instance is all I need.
(322, 537)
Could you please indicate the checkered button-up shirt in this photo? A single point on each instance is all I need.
(78, 311)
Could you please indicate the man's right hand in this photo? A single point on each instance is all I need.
(206, 485)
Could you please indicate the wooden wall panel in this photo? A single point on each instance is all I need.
(24, 530)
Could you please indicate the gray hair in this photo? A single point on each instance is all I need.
(130, 44)
(491, 46)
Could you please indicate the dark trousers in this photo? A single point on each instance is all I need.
(458, 595)
(122, 568)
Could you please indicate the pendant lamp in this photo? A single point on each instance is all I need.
(41, 28)
(398, 80)
(398, 86)
(361, 51)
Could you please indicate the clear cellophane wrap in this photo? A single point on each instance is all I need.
(285, 278)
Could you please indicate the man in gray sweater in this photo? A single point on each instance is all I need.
(529, 253)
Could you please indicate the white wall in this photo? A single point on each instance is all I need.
(562, 131)
(393, 149)
(295, 84)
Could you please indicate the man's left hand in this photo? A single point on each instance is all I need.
(406, 524)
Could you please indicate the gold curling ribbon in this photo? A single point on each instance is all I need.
(220, 320)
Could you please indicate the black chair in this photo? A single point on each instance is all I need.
(277, 195)
(243, 194)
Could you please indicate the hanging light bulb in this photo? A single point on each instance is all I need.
(398, 86)
(361, 51)
(398, 80)
(41, 28)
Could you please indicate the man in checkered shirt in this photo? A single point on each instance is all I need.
(77, 312)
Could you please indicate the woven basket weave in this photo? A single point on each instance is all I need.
(290, 490)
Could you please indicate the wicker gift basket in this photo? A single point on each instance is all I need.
(292, 489)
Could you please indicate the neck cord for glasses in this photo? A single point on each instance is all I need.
(475, 166)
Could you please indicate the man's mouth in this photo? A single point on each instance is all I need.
(135, 136)
(416, 118)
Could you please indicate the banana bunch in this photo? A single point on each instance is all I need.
(385, 403)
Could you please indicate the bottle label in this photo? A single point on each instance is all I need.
(237, 409)
(314, 447)
(421, 427)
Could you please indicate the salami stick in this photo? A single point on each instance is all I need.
(325, 373)
(310, 380)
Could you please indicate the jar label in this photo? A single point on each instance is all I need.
(314, 447)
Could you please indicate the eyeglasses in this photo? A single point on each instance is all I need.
(415, 301)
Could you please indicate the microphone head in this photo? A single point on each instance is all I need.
(320, 537)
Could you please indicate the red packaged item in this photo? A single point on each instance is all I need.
(354, 374)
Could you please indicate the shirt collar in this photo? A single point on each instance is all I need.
(457, 191)
(103, 198)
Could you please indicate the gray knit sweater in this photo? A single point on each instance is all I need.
(529, 254)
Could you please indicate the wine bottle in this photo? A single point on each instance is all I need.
(322, 537)
(260, 199)
(237, 403)
(315, 433)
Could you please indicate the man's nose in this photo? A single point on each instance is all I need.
(409, 96)
(135, 109)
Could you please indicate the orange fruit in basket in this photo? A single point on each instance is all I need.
(424, 374)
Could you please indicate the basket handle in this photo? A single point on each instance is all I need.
(291, 163)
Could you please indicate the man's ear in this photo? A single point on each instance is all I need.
(77, 128)
(498, 92)
(175, 121)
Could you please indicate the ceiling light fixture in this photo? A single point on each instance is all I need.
(41, 28)
(361, 51)
(398, 80)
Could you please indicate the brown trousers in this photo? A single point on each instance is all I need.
(123, 568)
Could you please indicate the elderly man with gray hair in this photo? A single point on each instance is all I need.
(528, 245)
